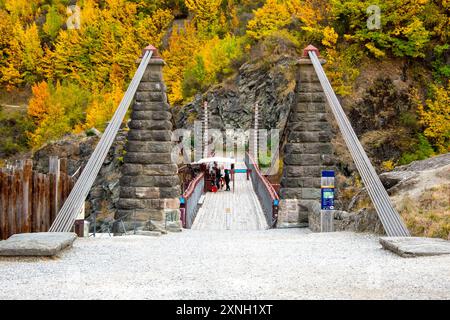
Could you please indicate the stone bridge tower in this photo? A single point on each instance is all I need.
(150, 187)
(308, 148)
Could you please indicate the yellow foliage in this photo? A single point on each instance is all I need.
(32, 51)
(21, 9)
(206, 14)
(388, 165)
(312, 13)
(341, 71)
(183, 45)
(149, 27)
(102, 108)
(376, 52)
(271, 17)
(435, 116)
(329, 37)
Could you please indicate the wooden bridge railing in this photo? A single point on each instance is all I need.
(29, 201)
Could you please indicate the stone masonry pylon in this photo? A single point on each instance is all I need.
(308, 150)
(150, 187)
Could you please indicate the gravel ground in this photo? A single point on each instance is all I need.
(272, 264)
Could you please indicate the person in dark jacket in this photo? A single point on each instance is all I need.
(227, 179)
(218, 177)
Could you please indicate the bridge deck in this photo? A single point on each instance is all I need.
(228, 210)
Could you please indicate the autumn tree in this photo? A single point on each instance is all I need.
(435, 117)
(53, 23)
(38, 106)
(401, 30)
(31, 52)
(10, 52)
(183, 45)
(271, 17)
(56, 110)
(210, 63)
(206, 15)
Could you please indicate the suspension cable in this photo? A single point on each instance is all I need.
(74, 203)
(391, 220)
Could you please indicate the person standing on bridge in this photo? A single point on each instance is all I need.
(227, 179)
(218, 177)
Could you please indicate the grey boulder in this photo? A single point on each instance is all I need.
(36, 244)
(416, 247)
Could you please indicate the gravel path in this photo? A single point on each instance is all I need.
(272, 264)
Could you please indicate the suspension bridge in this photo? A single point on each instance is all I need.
(150, 189)
(230, 246)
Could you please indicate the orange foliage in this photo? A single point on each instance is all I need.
(38, 108)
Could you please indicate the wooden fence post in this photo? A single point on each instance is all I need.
(11, 205)
(54, 174)
(4, 204)
(30, 201)
(47, 206)
(42, 202)
(17, 187)
(64, 182)
(27, 193)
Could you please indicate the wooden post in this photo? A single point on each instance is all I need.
(4, 197)
(55, 174)
(40, 202)
(46, 203)
(37, 204)
(34, 207)
(43, 203)
(65, 181)
(11, 205)
(27, 193)
(17, 187)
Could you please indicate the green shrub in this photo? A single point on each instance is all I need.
(422, 150)
(13, 128)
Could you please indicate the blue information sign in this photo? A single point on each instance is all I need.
(327, 190)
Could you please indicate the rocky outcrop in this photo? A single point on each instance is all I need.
(405, 183)
(104, 195)
(365, 220)
(232, 103)
(412, 179)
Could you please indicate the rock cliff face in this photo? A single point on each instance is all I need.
(411, 180)
(104, 195)
(232, 104)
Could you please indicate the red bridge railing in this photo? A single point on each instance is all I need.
(266, 193)
(189, 200)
